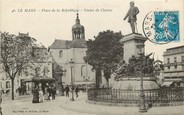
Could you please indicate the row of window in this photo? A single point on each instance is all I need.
(7, 84)
(175, 67)
(37, 71)
(175, 59)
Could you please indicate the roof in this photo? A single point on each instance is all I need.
(60, 44)
(65, 44)
(78, 43)
(178, 47)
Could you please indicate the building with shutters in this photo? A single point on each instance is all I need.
(174, 65)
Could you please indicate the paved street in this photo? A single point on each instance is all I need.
(26, 107)
(63, 106)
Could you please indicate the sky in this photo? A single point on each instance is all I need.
(47, 20)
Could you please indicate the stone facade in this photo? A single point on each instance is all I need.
(63, 51)
(40, 67)
(130, 43)
(174, 64)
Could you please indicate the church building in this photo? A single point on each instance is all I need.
(66, 51)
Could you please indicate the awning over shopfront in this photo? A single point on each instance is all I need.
(181, 74)
(167, 74)
(175, 75)
(42, 79)
(167, 84)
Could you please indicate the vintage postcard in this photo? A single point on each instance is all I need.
(91, 57)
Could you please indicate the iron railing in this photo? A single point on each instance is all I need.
(153, 96)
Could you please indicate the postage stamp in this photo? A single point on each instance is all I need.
(162, 26)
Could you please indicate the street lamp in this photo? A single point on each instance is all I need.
(71, 62)
(86, 79)
(142, 107)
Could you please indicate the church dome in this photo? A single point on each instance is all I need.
(78, 31)
(77, 26)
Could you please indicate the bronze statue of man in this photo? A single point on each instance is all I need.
(131, 14)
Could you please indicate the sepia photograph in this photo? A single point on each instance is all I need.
(91, 57)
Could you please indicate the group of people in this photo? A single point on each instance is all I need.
(43, 93)
(22, 90)
(48, 92)
(67, 90)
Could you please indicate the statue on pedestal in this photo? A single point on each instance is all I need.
(131, 15)
(121, 67)
(133, 69)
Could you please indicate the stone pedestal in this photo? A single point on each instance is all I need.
(134, 83)
(130, 43)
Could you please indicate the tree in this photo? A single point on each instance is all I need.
(104, 52)
(16, 54)
(59, 72)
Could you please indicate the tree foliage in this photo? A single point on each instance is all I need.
(16, 54)
(104, 51)
(59, 73)
(38, 64)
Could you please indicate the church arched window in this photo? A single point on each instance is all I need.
(37, 71)
(83, 71)
(1, 85)
(45, 71)
(7, 84)
(60, 54)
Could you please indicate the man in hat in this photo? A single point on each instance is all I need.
(131, 15)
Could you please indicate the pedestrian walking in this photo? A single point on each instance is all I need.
(67, 91)
(35, 95)
(41, 97)
(23, 90)
(49, 93)
(46, 95)
(62, 90)
(77, 91)
(53, 89)
(1, 113)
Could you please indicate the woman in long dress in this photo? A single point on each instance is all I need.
(46, 95)
(35, 95)
(41, 98)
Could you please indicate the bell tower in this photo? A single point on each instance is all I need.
(78, 31)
